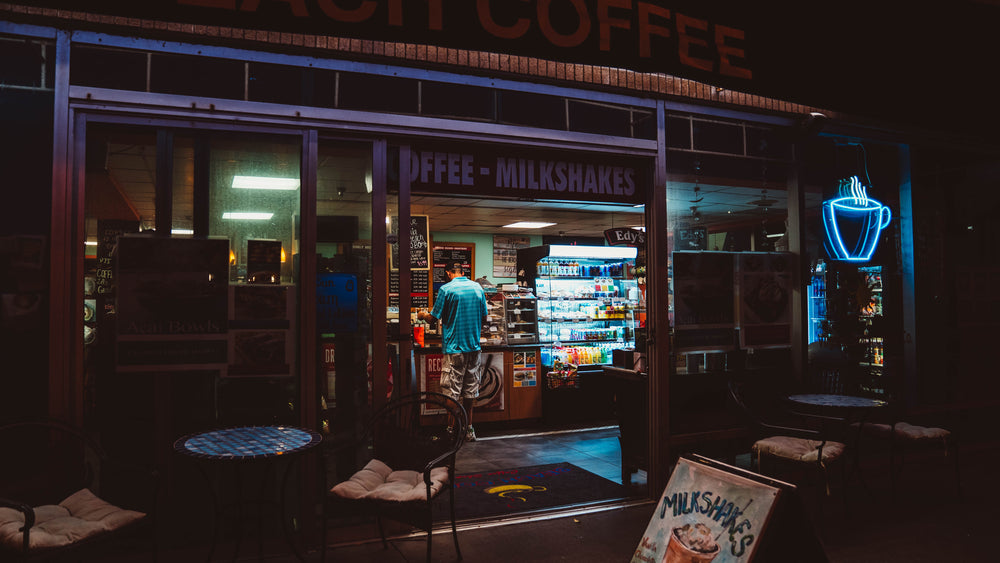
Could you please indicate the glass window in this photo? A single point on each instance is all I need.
(108, 68)
(730, 273)
(457, 100)
(191, 75)
(850, 250)
(534, 110)
(376, 93)
(282, 84)
(344, 283)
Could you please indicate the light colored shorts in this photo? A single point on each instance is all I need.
(460, 375)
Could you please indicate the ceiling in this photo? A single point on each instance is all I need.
(717, 203)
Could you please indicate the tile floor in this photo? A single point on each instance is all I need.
(595, 449)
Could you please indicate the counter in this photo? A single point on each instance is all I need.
(510, 388)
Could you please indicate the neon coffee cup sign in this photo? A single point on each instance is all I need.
(853, 223)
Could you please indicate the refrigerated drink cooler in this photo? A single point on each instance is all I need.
(588, 306)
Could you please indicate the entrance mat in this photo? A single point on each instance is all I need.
(525, 489)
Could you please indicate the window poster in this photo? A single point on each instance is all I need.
(505, 254)
(708, 513)
(765, 299)
(704, 307)
(525, 369)
(491, 390)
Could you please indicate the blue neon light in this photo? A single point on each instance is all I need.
(853, 223)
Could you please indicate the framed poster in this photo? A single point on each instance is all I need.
(420, 247)
(765, 299)
(709, 512)
(505, 254)
(704, 306)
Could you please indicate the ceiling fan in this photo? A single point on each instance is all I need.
(763, 200)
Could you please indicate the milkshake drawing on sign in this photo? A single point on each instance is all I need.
(691, 544)
(707, 514)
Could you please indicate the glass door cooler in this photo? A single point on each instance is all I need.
(587, 306)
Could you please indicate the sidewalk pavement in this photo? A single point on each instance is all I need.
(927, 522)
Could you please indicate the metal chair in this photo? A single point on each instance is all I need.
(414, 440)
(60, 494)
(790, 440)
(905, 438)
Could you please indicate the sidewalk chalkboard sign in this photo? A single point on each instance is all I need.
(708, 512)
(419, 243)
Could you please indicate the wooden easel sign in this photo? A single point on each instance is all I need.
(707, 514)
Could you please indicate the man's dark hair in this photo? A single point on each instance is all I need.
(456, 267)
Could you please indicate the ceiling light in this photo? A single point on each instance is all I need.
(265, 183)
(527, 225)
(247, 215)
(90, 243)
(182, 231)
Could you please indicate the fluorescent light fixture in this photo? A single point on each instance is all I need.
(90, 243)
(247, 215)
(775, 235)
(527, 225)
(572, 251)
(182, 231)
(265, 183)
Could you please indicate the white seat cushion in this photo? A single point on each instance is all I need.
(906, 431)
(79, 516)
(797, 449)
(377, 481)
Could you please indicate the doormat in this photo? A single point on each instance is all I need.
(525, 489)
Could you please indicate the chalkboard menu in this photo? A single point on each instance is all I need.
(419, 243)
(448, 253)
(108, 232)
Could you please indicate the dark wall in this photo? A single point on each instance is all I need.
(26, 189)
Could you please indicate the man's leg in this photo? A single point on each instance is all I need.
(470, 387)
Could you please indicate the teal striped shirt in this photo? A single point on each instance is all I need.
(461, 308)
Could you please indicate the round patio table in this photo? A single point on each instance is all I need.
(836, 401)
(243, 446)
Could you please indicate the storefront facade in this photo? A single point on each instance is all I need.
(284, 157)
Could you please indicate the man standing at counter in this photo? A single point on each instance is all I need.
(461, 308)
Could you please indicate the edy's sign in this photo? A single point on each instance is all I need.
(493, 172)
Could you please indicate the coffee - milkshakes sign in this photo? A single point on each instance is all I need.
(497, 172)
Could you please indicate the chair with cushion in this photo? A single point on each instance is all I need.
(785, 441)
(903, 437)
(414, 440)
(60, 495)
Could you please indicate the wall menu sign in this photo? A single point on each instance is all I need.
(483, 170)
(709, 512)
(449, 253)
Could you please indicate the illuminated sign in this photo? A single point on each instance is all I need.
(853, 222)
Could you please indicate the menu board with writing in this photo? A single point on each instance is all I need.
(448, 253)
(419, 243)
(418, 289)
(108, 232)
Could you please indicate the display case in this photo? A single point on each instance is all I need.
(587, 299)
(520, 318)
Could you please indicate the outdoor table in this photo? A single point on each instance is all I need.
(241, 447)
(855, 408)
